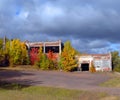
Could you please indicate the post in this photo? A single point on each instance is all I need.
(44, 47)
(60, 47)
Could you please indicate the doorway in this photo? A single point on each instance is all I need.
(85, 67)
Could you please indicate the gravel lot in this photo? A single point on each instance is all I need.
(73, 80)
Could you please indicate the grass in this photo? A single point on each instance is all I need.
(114, 82)
(21, 92)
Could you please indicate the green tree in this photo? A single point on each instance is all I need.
(115, 61)
(67, 60)
(4, 57)
(1, 43)
(44, 62)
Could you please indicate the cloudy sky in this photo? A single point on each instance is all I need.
(92, 26)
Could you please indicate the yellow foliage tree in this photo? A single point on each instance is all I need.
(18, 52)
(68, 61)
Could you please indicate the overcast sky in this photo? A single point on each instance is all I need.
(92, 26)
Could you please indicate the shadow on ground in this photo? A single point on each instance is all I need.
(14, 79)
(12, 86)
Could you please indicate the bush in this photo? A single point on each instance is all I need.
(46, 64)
(4, 59)
(117, 68)
(43, 62)
(92, 68)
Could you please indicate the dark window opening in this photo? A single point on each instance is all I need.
(85, 67)
(54, 49)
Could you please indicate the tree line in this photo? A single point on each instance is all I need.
(14, 52)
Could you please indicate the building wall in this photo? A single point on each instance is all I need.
(54, 46)
(101, 62)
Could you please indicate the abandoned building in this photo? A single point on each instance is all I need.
(101, 62)
(54, 46)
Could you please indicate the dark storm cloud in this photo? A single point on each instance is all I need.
(94, 24)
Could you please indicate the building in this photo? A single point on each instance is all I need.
(101, 62)
(54, 46)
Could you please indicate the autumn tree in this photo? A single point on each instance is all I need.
(18, 52)
(92, 68)
(24, 54)
(38, 57)
(67, 60)
(52, 60)
(34, 55)
(46, 61)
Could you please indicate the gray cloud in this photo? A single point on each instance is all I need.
(94, 24)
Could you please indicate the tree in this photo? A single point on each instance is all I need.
(92, 68)
(115, 61)
(67, 60)
(43, 63)
(1, 43)
(34, 55)
(24, 56)
(46, 61)
(52, 60)
(18, 53)
(38, 57)
(4, 57)
(51, 56)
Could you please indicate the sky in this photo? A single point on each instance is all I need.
(92, 26)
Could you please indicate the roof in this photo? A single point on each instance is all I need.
(39, 44)
(108, 54)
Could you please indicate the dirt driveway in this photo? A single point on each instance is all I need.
(74, 80)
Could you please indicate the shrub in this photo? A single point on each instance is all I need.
(46, 64)
(117, 68)
(43, 62)
(92, 68)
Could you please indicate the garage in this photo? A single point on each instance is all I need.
(85, 67)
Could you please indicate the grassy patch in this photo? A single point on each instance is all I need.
(11, 86)
(19, 92)
(115, 82)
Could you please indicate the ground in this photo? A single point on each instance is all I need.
(71, 80)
